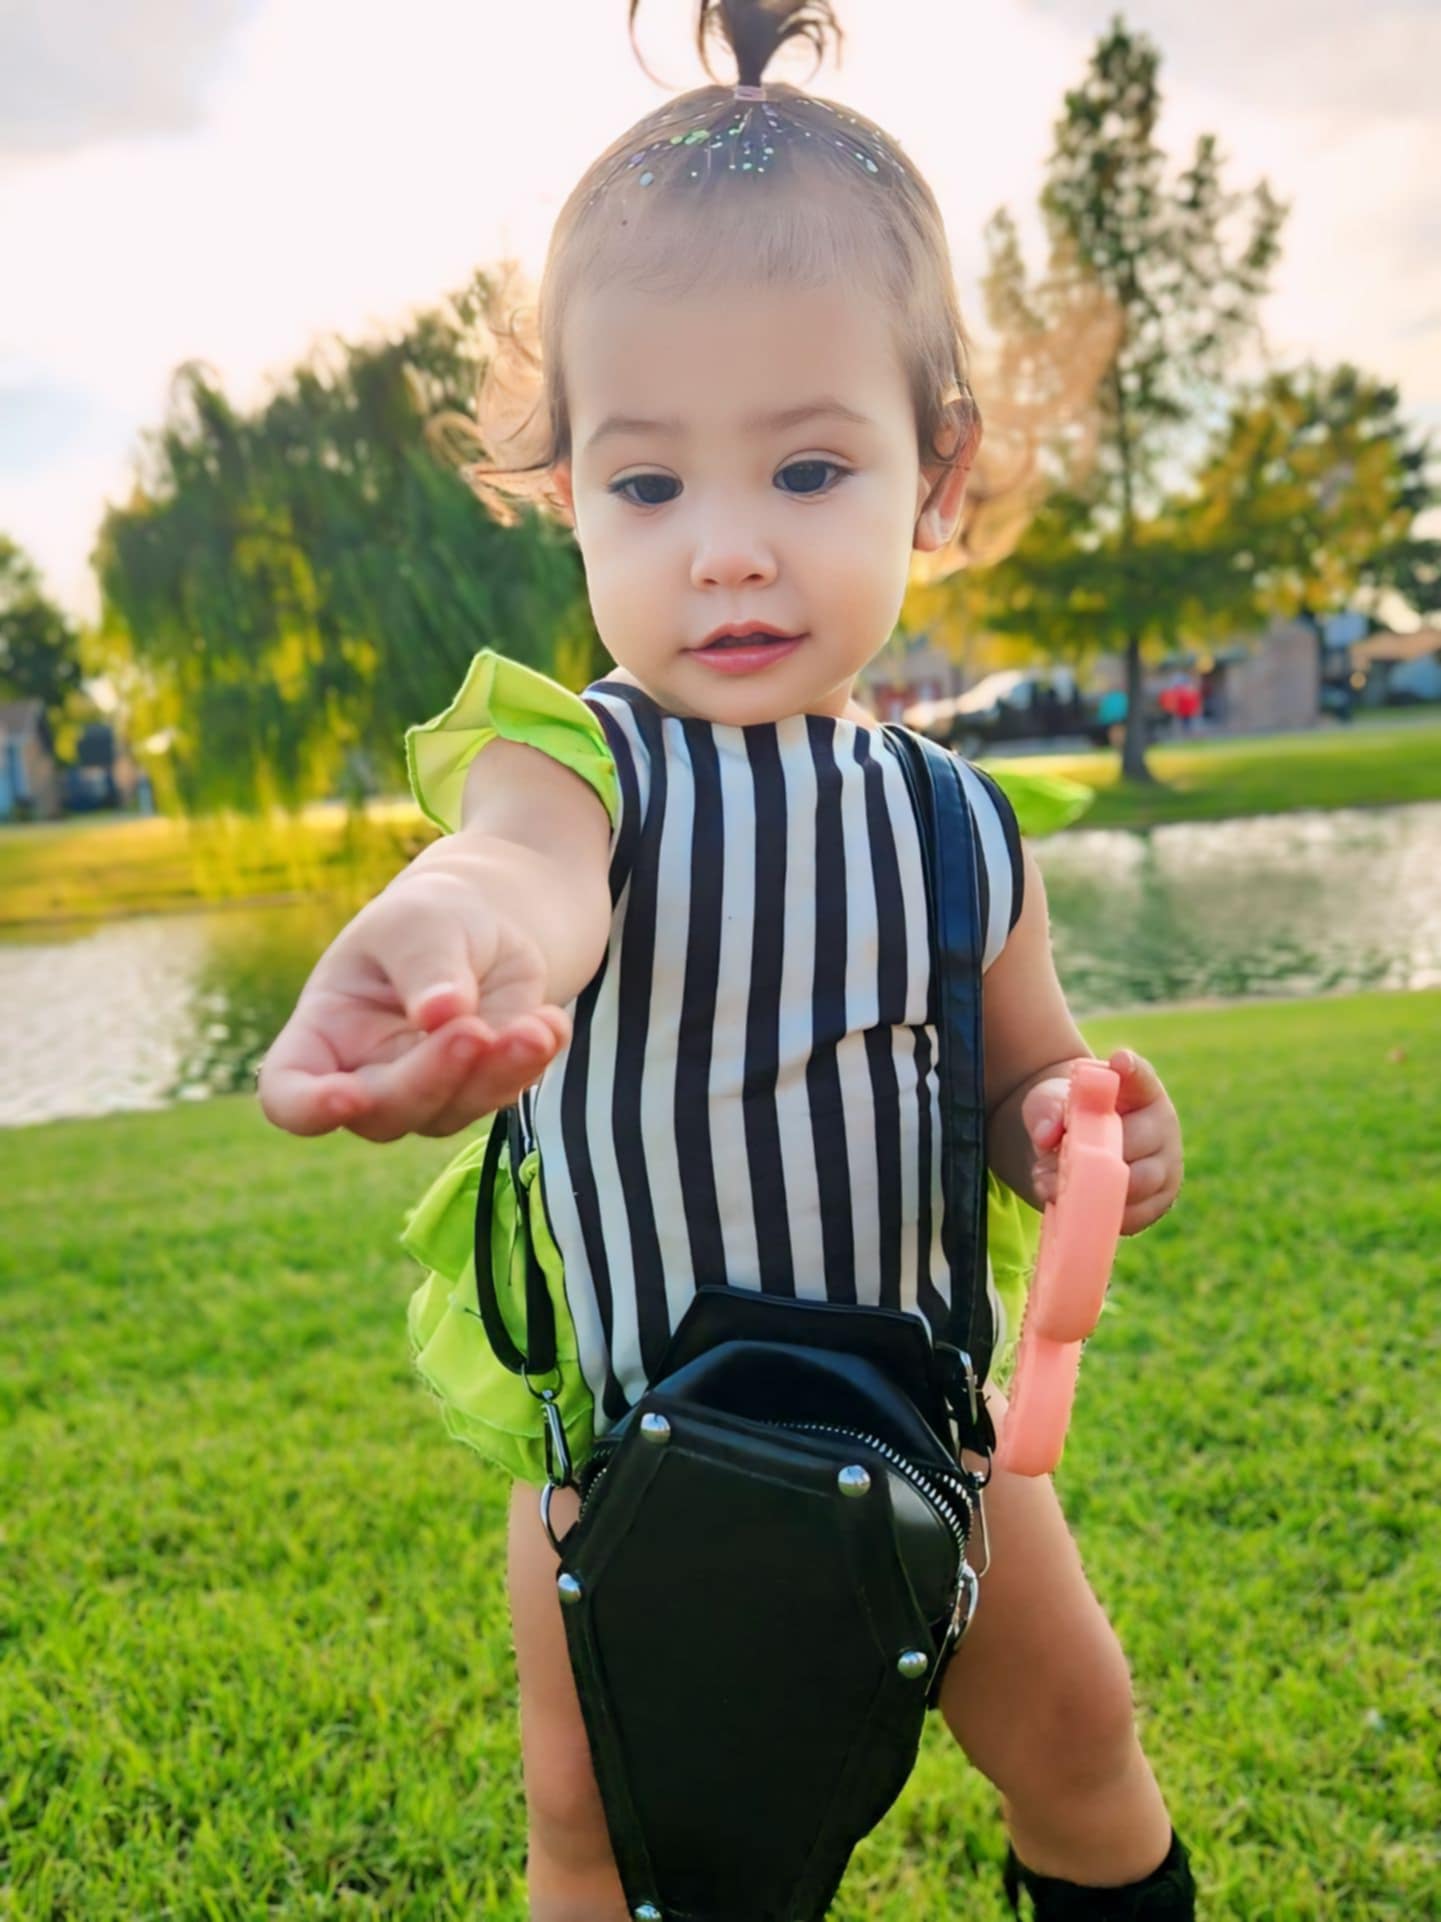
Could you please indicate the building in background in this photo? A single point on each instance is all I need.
(29, 774)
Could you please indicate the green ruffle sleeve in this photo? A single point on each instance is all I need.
(1044, 803)
(501, 697)
(481, 1402)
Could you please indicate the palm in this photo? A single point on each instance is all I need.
(355, 1053)
(355, 1012)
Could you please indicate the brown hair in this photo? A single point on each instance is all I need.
(817, 219)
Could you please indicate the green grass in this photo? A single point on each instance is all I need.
(96, 867)
(254, 1649)
(1370, 763)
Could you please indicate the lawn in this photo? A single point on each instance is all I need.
(1388, 759)
(94, 867)
(254, 1653)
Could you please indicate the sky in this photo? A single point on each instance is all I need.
(232, 181)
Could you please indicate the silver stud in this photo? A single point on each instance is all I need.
(853, 1481)
(913, 1664)
(655, 1429)
(647, 1912)
(570, 1589)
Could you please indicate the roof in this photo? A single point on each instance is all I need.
(1398, 647)
(18, 717)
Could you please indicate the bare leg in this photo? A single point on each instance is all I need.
(570, 1869)
(1039, 1697)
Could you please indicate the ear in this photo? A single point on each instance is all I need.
(560, 480)
(941, 489)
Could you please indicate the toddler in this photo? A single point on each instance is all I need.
(681, 918)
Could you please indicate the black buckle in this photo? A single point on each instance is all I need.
(976, 1430)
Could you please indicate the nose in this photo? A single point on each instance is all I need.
(729, 559)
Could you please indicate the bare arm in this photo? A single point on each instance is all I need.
(446, 995)
(1031, 1043)
(535, 837)
(1030, 1035)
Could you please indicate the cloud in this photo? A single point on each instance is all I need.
(1314, 56)
(73, 73)
(43, 420)
(230, 180)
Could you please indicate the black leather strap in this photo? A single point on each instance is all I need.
(948, 839)
(539, 1311)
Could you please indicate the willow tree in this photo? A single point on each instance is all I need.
(290, 588)
(1103, 560)
(39, 649)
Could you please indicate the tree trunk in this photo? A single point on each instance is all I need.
(1133, 749)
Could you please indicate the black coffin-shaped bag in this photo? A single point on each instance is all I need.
(769, 1571)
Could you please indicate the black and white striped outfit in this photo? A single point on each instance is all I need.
(749, 1094)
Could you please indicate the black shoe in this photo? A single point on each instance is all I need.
(1167, 1894)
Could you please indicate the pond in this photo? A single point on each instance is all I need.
(144, 1013)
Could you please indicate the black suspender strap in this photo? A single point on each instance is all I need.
(539, 1312)
(948, 842)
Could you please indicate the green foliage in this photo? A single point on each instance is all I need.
(285, 591)
(1104, 566)
(39, 650)
(255, 1657)
(1311, 493)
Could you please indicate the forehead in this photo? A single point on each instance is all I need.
(720, 359)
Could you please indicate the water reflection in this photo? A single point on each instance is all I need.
(1275, 905)
(139, 1014)
(146, 1012)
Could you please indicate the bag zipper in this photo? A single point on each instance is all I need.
(934, 1491)
(937, 1491)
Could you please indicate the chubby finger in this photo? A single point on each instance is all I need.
(1154, 1184)
(296, 1079)
(425, 949)
(1140, 1084)
(382, 1100)
(1144, 1132)
(1043, 1113)
(500, 1076)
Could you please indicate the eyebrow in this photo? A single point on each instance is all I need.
(616, 424)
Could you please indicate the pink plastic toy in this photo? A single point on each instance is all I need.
(1079, 1233)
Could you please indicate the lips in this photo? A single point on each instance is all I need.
(744, 634)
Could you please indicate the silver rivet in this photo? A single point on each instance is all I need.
(647, 1912)
(655, 1429)
(853, 1481)
(913, 1664)
(570, 1589)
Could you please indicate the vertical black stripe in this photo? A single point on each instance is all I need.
(633, 1003)
(582, 1176)
(629, 828)
(762, 1048)
(828, 1020)
(698, 1011)
(891, 967)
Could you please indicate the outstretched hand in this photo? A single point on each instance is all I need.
(1150, 1138)
(414, 1021)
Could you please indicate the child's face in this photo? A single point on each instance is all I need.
(808, 527)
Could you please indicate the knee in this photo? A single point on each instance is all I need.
(566, 1815)
(1080, 1735)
